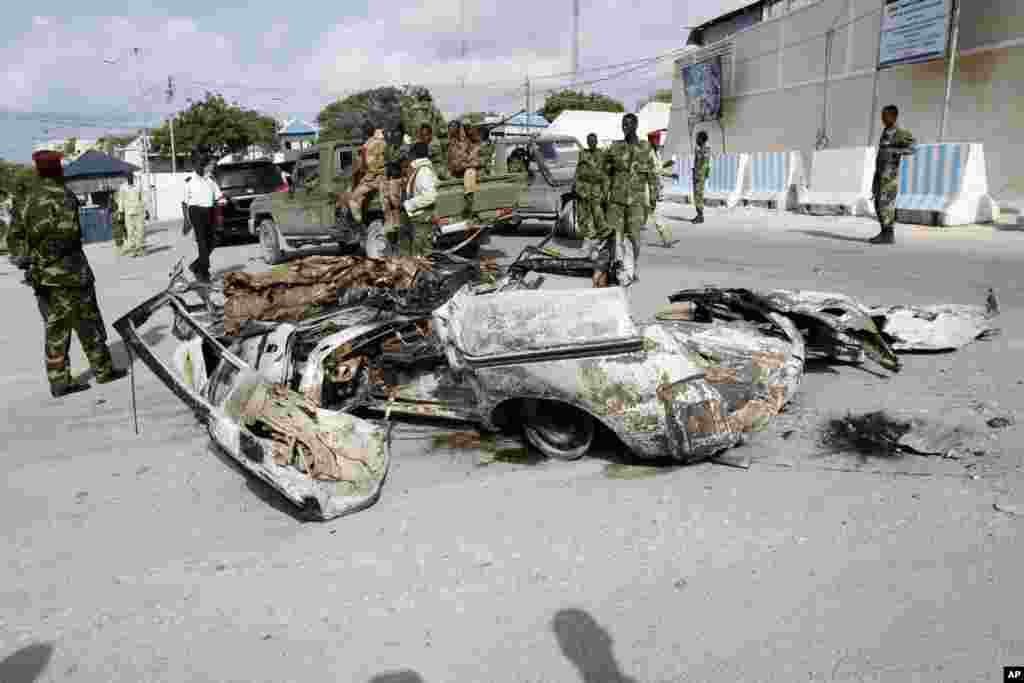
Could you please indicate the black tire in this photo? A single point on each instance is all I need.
(270, 243)
(557, 430)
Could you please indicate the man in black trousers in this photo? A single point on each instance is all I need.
(201, 193)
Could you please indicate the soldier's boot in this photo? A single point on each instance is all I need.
(886, 236)
(114, 375)
(59, 389)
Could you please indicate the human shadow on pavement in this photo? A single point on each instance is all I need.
(403, 676)
(831, 235)
(25, 665)
(588, 646)
(149, 251)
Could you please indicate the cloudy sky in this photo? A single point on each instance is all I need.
(74, 68)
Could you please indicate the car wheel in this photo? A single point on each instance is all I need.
(557, 430)
(270, 243)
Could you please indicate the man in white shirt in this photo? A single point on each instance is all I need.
(132, 206)
(420, 196)
(201, 193)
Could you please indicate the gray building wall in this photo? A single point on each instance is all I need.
(774, 86)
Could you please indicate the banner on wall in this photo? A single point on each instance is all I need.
(913, 31)
(703, 84)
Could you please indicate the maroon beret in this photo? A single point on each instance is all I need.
(48, 163)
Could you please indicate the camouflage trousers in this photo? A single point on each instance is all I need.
(698, 192)
(118, 231)
(391, 198)
(623, 225)
(64, 310)
(367, 185)
(135, 233)
(415, 237)
(885, 191)
(590, 220)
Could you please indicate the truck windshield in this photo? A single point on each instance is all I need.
(559, 153)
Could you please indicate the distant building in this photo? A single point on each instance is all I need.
(607, 125)
(296, 134)
(521, 124)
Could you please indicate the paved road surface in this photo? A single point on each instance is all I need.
(150, 558)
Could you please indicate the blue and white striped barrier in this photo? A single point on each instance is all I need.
(725, 184)
(948, 179)
(841, 178)
(776, 177)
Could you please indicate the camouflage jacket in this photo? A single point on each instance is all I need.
(457, 155)
(702, 162)
(486, 157)
(472, 154)
(591, 180)
(16, 231)
(894, 144)
(375, 156)
(631, 173)
(53, 238)
(393, 156)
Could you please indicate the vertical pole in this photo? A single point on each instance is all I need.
(529, 116)
(954, 39)
(874, 97)
(575, 41)
(170, 96)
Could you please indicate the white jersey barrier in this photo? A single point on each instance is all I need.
(947, 179)
(841, 178)
(776, 177)
(725, 184)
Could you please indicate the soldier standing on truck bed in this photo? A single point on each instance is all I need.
(419, 199)
(473, 166)
(373, 175)
(456, 157)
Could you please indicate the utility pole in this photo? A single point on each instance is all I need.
(575, 41)
(462, 49)
(529, 118)
(954, 40)
(170, 97)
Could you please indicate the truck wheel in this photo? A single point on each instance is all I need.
(557, 430)
(565, 224)
(270, 243)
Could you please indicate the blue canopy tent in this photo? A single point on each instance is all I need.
(97, 172)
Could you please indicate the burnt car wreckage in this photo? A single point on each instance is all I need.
(297, 399)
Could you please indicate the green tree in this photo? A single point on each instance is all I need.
(216, 127)
(474, 117)
(557, 102)
(110, 143)
(383, 107)
(70, 145)
(664, 95)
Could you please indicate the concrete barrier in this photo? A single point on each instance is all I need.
(776, 177)
(725, 184)
(681, 187)
(841, 179)
(947, 181)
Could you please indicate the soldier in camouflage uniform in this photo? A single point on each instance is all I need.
(16, 230)
(486, 150)
(117, 221)
(591, 188)
(372, 176)
(381, 239)
(894, 144)
(473, 164)
(701, 171)
(456, 152)
(632, 183)
(63, 281)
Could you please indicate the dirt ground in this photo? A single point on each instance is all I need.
(151, 558)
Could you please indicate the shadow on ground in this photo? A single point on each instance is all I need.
(403, 676)
(588, 646)
(120, 355)
(831, 235)
(149, 251)
(25, 665)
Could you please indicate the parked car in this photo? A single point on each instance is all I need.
(500, 356)
(314, 211)
(242, 183)
(551, 171)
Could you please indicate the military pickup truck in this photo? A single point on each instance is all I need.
(314, 212)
